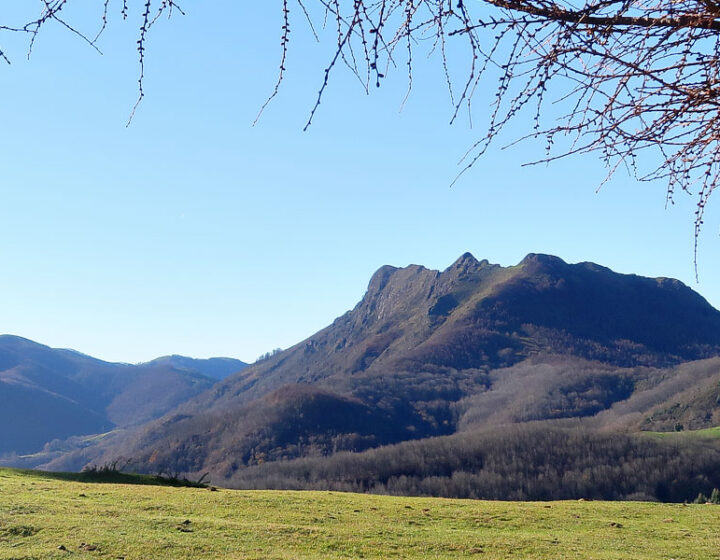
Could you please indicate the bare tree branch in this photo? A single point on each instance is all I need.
(639, 81)
(635, 82)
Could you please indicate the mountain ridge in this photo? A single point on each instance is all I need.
(48, 394)
(433, 350)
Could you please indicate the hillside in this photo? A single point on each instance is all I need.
(50, 518)
(530, 461)
(48, 394)
(429, 353)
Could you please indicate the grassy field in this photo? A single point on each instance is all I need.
(707, 433)
(39, 514)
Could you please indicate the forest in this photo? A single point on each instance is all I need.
(536, 461)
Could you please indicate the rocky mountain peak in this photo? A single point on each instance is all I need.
(464, 262)
(542, 339)
(379, 280)
(540, 260)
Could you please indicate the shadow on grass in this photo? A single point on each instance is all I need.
(109, 475)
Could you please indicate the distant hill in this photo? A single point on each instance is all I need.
(429, 353)
(48, 393)
(217, 368)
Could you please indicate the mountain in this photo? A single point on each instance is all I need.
(430, 353)
(216, 368)
(48, 394)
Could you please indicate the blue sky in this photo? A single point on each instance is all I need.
(193, 232)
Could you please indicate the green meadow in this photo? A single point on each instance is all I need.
(707, 433)
(50, 517)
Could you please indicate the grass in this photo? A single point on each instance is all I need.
(707, 433)
(40, 513)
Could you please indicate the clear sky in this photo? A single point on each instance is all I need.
(193, 232)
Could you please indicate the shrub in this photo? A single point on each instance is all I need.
(715, 496)
(701, 499)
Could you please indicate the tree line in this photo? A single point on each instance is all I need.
(542, 461)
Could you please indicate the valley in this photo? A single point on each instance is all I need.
(53, 399)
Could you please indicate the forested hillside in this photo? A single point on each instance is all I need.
(537, 461)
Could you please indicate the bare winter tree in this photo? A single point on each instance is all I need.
(631, 78)
(635, 77)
